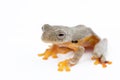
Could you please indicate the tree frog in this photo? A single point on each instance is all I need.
(77, 39)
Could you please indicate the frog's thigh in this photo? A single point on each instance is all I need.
(90, 41)
(100, 50)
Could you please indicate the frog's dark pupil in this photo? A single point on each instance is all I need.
(75, 41)
(61, 34)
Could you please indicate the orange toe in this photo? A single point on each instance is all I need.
(63, 65)
(41, 54)
(44, 58)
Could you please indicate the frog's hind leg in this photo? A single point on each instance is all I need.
(89, 42)
(99, 53)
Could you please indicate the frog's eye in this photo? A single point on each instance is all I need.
(61, 35)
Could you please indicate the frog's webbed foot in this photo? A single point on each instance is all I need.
(46, 54)
(98, 61)
(64, 65)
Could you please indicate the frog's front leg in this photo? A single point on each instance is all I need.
(66, 64)
(99, 53)
(53, 50)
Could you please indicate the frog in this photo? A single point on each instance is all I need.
(77, 39)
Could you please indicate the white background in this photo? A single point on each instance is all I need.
(20, 31)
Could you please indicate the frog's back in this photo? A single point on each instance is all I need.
(80, 32)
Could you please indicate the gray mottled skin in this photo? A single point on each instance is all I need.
(74, 60)
(51, 35)
(80, 31)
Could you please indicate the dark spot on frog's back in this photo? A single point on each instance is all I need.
(75, 41)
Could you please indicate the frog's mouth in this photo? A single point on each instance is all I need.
(54, 42)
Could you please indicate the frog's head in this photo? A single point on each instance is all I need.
(56, 34)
